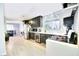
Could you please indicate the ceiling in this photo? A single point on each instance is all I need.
(24, 11)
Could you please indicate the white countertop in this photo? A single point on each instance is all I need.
(52, 33)
(57, 48)
(63, 43)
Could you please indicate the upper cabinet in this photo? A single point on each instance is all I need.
(34, 22)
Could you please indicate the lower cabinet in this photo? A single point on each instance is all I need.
(37, 37)
(31, 36)
(43, 37)
(40, 38)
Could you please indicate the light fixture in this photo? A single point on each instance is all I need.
(31, 22)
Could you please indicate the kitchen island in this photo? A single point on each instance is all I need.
(56, 48)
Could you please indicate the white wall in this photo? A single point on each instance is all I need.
(2, 31)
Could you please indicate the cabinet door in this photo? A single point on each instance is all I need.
(42, 38)
(31, 36)
(36, 21)
(37, 37)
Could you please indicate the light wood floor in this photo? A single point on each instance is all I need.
(18, 46)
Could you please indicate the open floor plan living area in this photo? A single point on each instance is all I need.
(39, 29)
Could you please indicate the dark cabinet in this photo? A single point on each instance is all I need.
(31, 35)
(36, 21)
(37, 37)
(43, 37)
